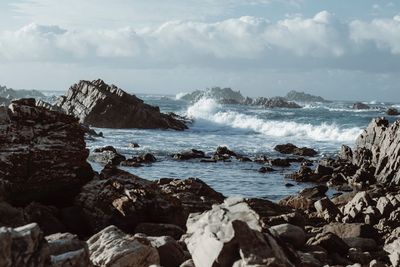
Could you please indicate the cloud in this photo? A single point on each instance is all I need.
(321, 41)
(383, 33)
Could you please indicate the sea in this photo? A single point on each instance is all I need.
(248, 130)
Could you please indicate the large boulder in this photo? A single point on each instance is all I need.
(43, 154)
(231, 234)
(113, 248)
(23, 247)
(125, 200)
(98, 104)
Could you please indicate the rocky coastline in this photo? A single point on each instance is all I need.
(56, 211)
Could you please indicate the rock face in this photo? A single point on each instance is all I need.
(304, 97)
(98, 104)
(378, 147)
(231, 235)
(111, 248)
(23, 246)
(43, 154)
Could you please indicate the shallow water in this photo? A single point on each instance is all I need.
(249, 131)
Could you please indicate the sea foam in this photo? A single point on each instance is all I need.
(208, 110)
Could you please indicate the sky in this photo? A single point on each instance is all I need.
(337, 49)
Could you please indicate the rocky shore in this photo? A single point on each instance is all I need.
(56, 211)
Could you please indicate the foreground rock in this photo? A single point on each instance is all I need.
(43, 154)
(231, 235)
(101, 105)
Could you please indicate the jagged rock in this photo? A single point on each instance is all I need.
(189, 154)
(378, 146)
(125, 200)
(394, 252)
(327, 209)
(101, 105)
(291, 234)
(43, 154)
(44, 104)
(170, 252)
(304, 97)
(67, 250)
(305, 199)
(346, 153)
(392, 112)
(160, 229)
(292, 149)
(354, 210)
(230, 235)
(111, 248)
(360, 105)
(23, 247)
(188, 263)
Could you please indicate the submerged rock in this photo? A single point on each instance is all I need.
(43, 154)
(101, 105)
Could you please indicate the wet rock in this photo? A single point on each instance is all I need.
(360, 105)
(265, 169)
(280, 162)
(230, 235)
(23, 247)
(189, 154)
(392, 112)
(101, 105)
(134, 145)
(292, 149)
(43, 155)
(160, 229)
(223, 150)
(289, 233)
(67, 250)
(112, 247)
(107, 155)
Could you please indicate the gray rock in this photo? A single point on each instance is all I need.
(329, 241)
(113, 248)
(289, 233)
(360, 105)
(304, 97)
(101, 105)
(393, 249)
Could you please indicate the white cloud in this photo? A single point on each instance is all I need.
(384, 33)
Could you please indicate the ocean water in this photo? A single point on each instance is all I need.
(251, 131)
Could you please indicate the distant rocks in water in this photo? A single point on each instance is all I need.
(392, 112)
(43, 154)
(4, 101)
(12, 94)
(189, 154)
(221, 95)
(134, 145)
(98, 104)
(294, 150)
(304, 97)
(360, 105)
(274, 102)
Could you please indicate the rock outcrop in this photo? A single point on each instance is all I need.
(299, 151)
(98, 104)
(304, 97)
(43, 154)
(392, 112)
(12, 94)
(221, 95)
(360, 105)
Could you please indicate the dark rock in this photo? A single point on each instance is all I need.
(134, 145)
(323, 170)
(306, 198)
(265, 169)
(189, 154)
(359, 105)
(43, 154)
(47, 217)
(280, 162)
(90, 132)
(223, 150)
(292, 149)
(346, 153)
(289, 185)
(274, 102)
(107, 155)
(170, 252)
(392, 112)
(331, 242)
(101, 105)
(304, 97)
(291, 234)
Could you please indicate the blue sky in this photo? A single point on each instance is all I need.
(337, 49)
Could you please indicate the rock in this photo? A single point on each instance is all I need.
(107, 155)
(291, 234)
(98, 104)
(170, 252)
(43, 155)
(221, 95)
(329, 241)
(392, 112)
(188, 263)
(223, 150)
(306, 198)
(351, 230)
(47, 217)
(265, 169)
(230, 235)
(4, 101)
(365, 244)
(304, 97)
(274, 102)
(353, 210)
(292, 149)
(189, 154)
(12, 94)
(67, 250)
(89, 132)
(125, 200)
(393, 249)
(134, 145)
(111, 248)
(360, 105)
(160, 229)
(23, 246)
(323, 170)
(280, 162)
(327, 209)
(346, 154)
